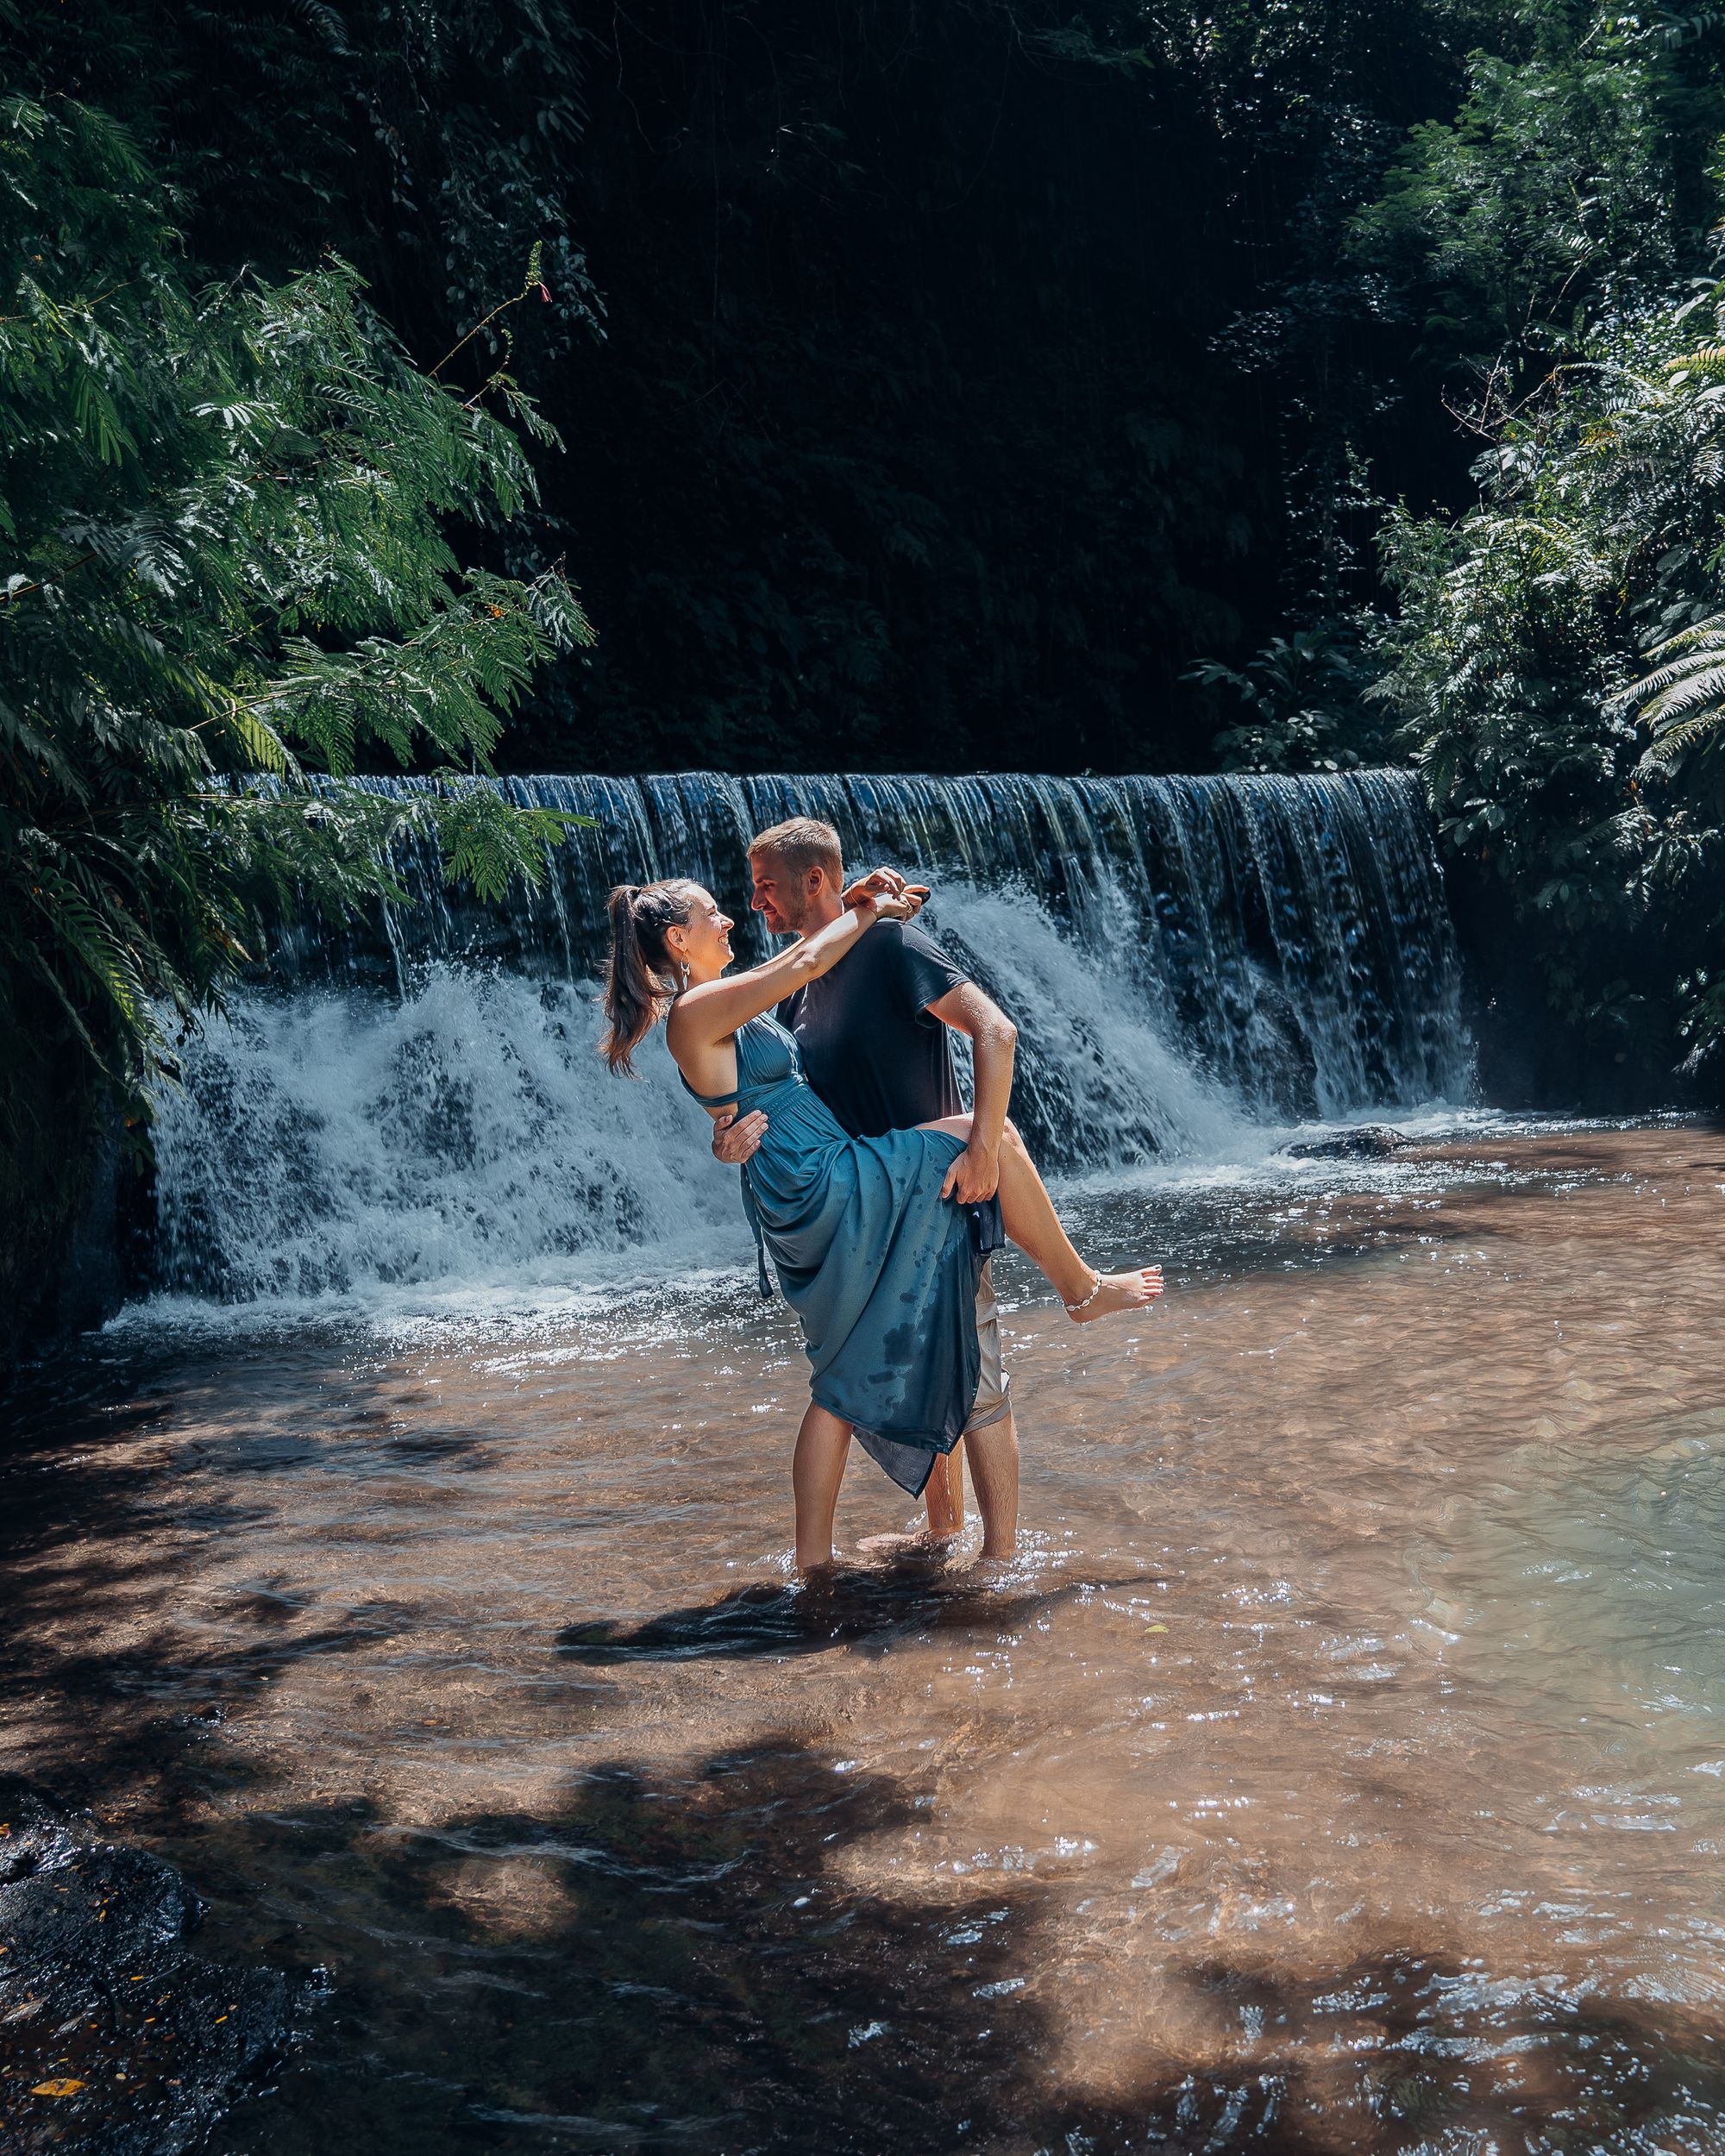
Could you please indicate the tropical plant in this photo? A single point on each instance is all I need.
(1303, 704)
(903, 434)
(231, 585)
(1559, 666)
(1565, 183)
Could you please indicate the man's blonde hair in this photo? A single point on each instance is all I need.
(800, 843)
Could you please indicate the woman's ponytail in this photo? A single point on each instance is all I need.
(637, 974)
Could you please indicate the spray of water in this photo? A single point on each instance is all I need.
(1098, 1078)
(336, 1141)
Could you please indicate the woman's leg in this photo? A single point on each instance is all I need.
(816, 1470)
(1031, 1221)
(945, 1494)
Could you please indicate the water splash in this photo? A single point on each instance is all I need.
(1289, 937)
(334, 1142)
(1099, 1082)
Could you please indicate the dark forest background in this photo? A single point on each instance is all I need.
(939, 383)
(1049, 384)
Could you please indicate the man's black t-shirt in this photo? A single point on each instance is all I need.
(870, 1047)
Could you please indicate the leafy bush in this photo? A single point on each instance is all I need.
(225, 513)
(1560, 665)
(1303, 702)
(1560, 654)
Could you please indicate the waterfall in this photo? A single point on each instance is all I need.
(1188, 961)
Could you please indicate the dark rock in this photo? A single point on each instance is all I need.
(114, 2039)
(1366, 1141)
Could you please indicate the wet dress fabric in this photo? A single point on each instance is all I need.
(879, 1266)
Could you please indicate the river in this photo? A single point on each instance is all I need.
(1341, 1766)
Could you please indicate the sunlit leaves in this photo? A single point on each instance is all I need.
(227, 520)
(1559, 663)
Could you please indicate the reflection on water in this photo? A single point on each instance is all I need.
(1341, 1768)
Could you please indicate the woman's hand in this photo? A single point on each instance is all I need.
(886, 894)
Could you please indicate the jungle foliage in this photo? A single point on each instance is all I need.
(1550, 654)
(1559, 661)
(224, 510)
(942, 381)
(1553, 652)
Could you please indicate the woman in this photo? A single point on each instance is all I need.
(880, 1268)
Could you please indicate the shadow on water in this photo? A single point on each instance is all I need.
(717, 1956)
(749, 1949)
(865, 1612)
(706, 1957)
(687, 1962)
(82, 1541)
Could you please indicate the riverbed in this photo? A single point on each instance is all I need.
(1341, 1766)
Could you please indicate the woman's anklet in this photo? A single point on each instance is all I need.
(1073, 1308)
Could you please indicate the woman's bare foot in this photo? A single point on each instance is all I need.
(919, 1542)
(1118, 1291)
(829, 1571)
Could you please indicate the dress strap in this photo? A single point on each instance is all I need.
(722, 1099)
(711, 1100)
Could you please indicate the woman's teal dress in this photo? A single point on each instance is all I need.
(880, 1268)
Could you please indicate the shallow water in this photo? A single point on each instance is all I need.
(1341, 1767)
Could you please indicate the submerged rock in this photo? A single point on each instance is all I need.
(1366, 1141)
(114, 2036)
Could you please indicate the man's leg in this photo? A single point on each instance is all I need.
(816, 1470)
(994, 1477)
(991, 1438)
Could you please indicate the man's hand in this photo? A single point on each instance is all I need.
(736, 1136)
(975, 1174)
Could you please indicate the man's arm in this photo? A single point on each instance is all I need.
(993, 1041)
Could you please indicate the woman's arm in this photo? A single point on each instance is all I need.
(705, 1015)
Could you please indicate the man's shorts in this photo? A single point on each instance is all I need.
(992, 1397)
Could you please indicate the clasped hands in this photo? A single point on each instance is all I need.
(893, 899)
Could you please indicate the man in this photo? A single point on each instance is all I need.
(876, 1047)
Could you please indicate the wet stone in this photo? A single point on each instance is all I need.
(114, 2037)
(1366, 1141)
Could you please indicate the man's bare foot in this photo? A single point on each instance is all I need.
(1118, 1291)
(993, 1569)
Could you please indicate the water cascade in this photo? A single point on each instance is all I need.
(1188, 961)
